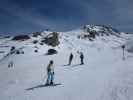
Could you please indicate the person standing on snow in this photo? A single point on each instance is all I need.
(10, 64)
(70, 59)
(82, 58)
(50, 73)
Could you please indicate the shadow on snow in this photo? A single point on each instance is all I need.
(41, 86)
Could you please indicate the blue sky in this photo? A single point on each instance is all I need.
(24, 16)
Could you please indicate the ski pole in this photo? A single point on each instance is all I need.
(43, 79)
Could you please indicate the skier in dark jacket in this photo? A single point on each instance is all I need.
(70, 59)
(50, 73)
(82, 58)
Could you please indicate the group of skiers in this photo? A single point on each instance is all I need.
(50, 68)
(81, 58)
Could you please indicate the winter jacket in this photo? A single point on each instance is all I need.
(71, 56)
(81, 56)
(50, 68)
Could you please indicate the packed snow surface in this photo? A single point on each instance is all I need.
(104, 76)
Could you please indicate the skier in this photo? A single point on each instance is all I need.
(70, 59)
(10, 64)
(82, 58)
(50, 73)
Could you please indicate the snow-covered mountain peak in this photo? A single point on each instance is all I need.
(101, 29)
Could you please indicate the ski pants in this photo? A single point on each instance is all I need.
(50, 77)
(70, 61)
(82, 61)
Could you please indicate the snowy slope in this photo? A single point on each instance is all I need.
(105, 76)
